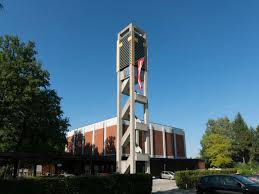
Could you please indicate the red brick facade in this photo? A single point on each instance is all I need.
(110, 146)
(158, 142)
(106, 145)
(169, 139)
(180, 145)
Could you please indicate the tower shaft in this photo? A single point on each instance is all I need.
(131, 70)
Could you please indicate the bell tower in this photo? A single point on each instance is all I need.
(132, 88)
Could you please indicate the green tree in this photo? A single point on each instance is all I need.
(241, 140)
(216, 143)
(31, 118)
(254, 155)
(220, 126)
(216, 150)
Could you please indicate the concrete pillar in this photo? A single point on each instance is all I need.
(104, 137)
(147, 135)
(137, 137)
(151, 141)
(175, 146)
(74, 142)
(83, 141)
(185, 155)
(119, 121)
(93, 143)
(164, 145)
(132, 114)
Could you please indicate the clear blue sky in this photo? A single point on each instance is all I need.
(203, 56)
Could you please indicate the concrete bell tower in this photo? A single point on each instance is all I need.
(132, 71)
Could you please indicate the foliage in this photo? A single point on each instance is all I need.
(226, 142)
(188, 179)
(31, 118)
(217, 149)
(221, 126)
(250, 168)
(255, 146)
(114, 184)
(216, 144)
(6, 172)
(241, 140)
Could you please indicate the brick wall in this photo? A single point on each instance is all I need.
(88, 142)
(180, 145)
(169, 139)
(111, 132)
(109, 144)
(98, 141)
(158, 142)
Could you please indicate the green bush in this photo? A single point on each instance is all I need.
(188, 179)
(114, 184)
(247, 168)
(5, 172)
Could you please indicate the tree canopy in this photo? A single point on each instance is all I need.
(216, 150)
(216, 144)
(31, 118)
(226, 142)
(242, 140)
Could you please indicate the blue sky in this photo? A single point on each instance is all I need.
(203, 56)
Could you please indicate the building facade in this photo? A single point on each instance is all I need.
(100, 139)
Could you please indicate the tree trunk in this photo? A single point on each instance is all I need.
(34, 169)
(15, 168)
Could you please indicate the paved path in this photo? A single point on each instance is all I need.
(163, 186)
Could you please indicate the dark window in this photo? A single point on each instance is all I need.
(229, 181)
(213, 180)
(204, 179)
(245, 180)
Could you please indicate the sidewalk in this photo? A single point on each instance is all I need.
(163, 186)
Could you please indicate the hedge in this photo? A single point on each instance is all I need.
(188, 179)
(113, 184)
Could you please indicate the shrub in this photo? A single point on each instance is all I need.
(188, 179)
(114, 184)
(5, 172)
(247, 168)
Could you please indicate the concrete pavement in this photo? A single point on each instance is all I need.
(163, 186)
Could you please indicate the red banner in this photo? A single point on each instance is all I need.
(140, 64)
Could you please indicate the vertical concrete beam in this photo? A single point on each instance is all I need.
(175, 146)
(164, 145)
(93, 143)
(83, 141)
(119, 107)
(104, 138)
(147, 134)
(74, 142)
(137, 137)
(151, 140)
(132, 106)
(185, 155)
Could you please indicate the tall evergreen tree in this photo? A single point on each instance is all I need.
(255, 146)
(241, 141)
